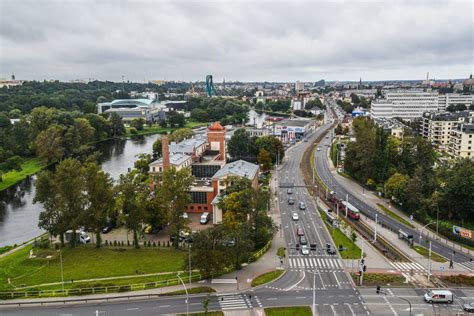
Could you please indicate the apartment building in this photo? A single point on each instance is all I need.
(461, 143)
(448, 99)
(437, 127)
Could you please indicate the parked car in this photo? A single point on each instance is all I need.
(439, 296)
(295, 216)
(291, 201)
(302, 206)
(81, 237)
(318, 149)
(469, 307)
(205, 217)
(305, 250)
(106, 229)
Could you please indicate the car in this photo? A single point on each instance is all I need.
(106, 229)
(318, 149)
(330, 249)
(302, 206)
(305, 250)
(300, 231)
(291, 201)
(205, 217)
(289, 191)
(295, 216)
(469, 307)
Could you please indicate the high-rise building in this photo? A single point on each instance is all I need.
(408, 104)
(461, 144)
(438, 127)
(299, 86)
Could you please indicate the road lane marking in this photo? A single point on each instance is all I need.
(350, 308)
(271, 299)
(338, 284)
(390, 305)
(300, 297)
(133, 309)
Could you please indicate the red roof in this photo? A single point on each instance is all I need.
(216, 127)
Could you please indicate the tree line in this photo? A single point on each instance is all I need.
(410, 172)
(227, 111)
(52, 134)
(79, 194)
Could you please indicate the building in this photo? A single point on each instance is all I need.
(206, 156)
(468, 84)
(407, 104)
(290, 129)
(296, 105)
(461, 143)
(123, 104)
(448, 99)
(299, 86)
(437, 127)
(392, 126)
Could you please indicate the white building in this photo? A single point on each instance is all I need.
(438, 127)
(407, 105)
(296, 105)
(299, 86)
(448, 99)
(461, 143)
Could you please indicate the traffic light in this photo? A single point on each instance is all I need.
(297, 246)
(378, 289)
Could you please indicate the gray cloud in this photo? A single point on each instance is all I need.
(238, 40)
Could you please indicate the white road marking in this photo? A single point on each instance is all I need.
(350, 307)
(390, 305)
(133, 309)
(338, 284)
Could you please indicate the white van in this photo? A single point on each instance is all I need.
(439, 296)
(204, 218)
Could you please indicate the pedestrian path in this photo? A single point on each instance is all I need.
(322, 264)
(414, 267)
(234, 301)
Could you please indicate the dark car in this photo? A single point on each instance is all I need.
(330, 249)
(291, 201)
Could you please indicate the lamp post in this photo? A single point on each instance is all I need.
(375, 227)
(189, 258)
(421, 231)
(187, 296)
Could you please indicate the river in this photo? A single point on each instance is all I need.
(18, 213)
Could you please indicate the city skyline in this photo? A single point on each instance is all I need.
(238, 41)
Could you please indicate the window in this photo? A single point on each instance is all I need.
(199, 207)
(199, 197)
(205, 208)
(153, 169)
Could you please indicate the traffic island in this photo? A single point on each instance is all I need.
(374, 279)
(267, 277)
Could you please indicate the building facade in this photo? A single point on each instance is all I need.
(438, 127)
(461, 144)
(407, 105)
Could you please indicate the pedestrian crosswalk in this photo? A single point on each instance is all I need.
(409, 267)
(234, 301)
(315, 263)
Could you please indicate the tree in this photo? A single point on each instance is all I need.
(173, 194)
(264, 160)
(10, 163)
(239, 145)
(132, 194)
(157, 149)
(176, 119)
(142, 163)
(84, 130)
(396, 185)
(273, 145)
(181, 134)
(199, 115)
(99, 196)
(314, 104)
(208, 253)
(138, 124)
(456, 107)
(49, 144)
(117, 127)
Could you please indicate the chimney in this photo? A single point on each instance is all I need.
(165, 152)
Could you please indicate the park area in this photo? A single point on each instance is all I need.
(87, 266)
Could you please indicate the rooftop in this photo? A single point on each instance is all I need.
(187, 145)
(240, 168)
(298, 123)
(216, 127)
(175, 159)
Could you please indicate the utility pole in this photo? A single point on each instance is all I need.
(62, 271)
(347, 204)
(187, 295)
(429, 263)
(189, 255)
(375, 228)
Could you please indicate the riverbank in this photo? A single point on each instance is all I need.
(29, 167)
(33, 165)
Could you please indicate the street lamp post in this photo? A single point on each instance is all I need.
(189, 258)
(375, 227)
(187, 296)
(429, 263)
(421, 231)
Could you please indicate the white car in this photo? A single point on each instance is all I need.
(295, 216)
(318, 149)
(304, 250)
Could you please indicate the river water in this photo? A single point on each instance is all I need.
(18, 213)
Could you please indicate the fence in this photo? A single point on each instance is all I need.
(256, 255)
(97, 290)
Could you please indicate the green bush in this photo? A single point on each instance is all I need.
(133, 130)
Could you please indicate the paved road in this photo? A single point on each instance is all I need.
(322, 166)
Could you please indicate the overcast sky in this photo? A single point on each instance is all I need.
(236, 40)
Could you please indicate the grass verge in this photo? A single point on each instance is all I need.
(194, 290)
(353, 251)
(266, 277)
(374, 279)
(281, 252)
(425, 253)
(83, 263)
(29, 167)
(288, 311)
(395, 216)
(458, 280)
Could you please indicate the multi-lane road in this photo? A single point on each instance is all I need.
(324, 172)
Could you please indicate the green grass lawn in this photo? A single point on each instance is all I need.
(266, 277)
(353, 251)
(374, 279)
(425, 252)
(281, 252)
(29, 167)
(395, 216)
(288, 311)
(216, 313)
(194, 290)
(86, 263)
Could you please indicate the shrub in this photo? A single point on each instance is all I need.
(168, 244)
(133, 130)
(106, 242)
(115, 243)
(128, 243)
(154, 244)
(159, 243)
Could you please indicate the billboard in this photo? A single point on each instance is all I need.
(462, 232)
